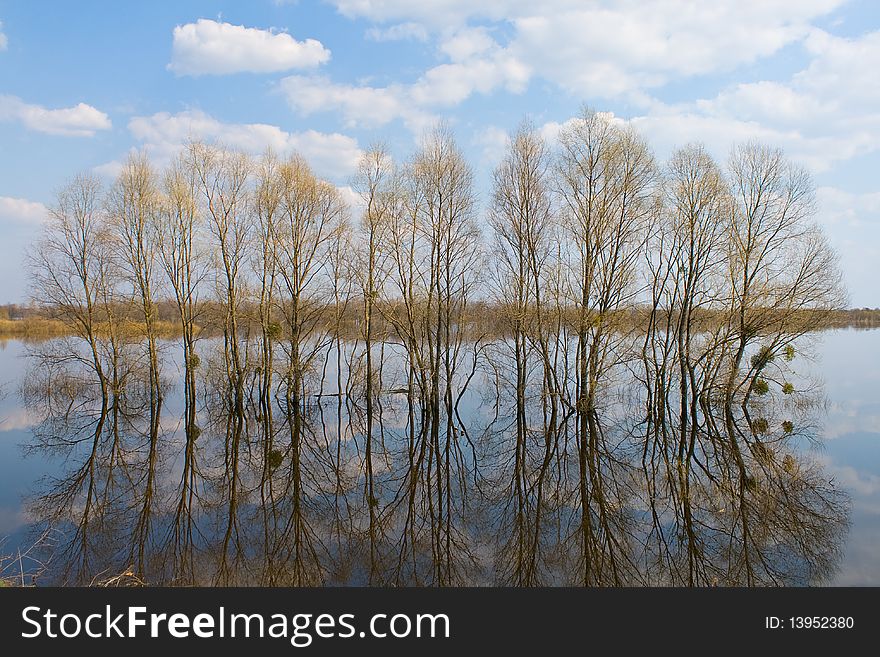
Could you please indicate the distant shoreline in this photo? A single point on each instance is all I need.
(40, 323)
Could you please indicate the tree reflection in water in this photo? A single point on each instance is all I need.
(270, 488)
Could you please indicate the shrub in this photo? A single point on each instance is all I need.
(763, 358)
(760, 425)
(273, 330)
(276, 457)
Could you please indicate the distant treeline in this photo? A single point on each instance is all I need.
(32, 322)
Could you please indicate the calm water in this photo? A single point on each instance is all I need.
(250, 499)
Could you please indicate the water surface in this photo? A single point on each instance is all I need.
(258, 494)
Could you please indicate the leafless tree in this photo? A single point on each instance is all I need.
(372, 183)
(607, 185)
(133, 208)
(525, 245)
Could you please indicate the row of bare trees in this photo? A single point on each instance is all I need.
(620, 319)
(690, 277)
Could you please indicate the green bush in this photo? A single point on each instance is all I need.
(763, 358)
(273, 330)
(760, 425)
(276, 457)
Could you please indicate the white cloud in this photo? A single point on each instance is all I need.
(602, 49)
(358, 105)
(21, 211)
(467, 43)
(4, 42)
(81, 120)
(860, 481)
(668, 127)
(109, 170)
(619, 48)
(626, 48)
(479, 65)
(441, 12)
(207, 47)
(493, 142)
(450, 84)
(398, 32)
(355, 201)
(827, 113)
(550, 130)
(842, 67)
(334, 156)
(765, 100)
(16, 419)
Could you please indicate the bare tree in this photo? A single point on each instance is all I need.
(133, 207)
(183, 261)
(440, 246)
(525, 236)
(783, 275)
(312, 214)
(223, 177)
(606, 180)
(372, 183)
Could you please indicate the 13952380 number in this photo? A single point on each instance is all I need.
(821, 622)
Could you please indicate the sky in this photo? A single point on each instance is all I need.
(84, 83)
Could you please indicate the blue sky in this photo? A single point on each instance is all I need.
(82, 83)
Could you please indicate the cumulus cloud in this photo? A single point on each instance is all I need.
(626, 48)
(824, 114)
(4, 42)
(334, 155)
(81, 120)
(356, 204)
(620, 48)
(358, 105)
(603, 49)
(207, 47)
(21, 210)
(478, 65)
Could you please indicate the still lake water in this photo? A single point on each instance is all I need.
(847, 452)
